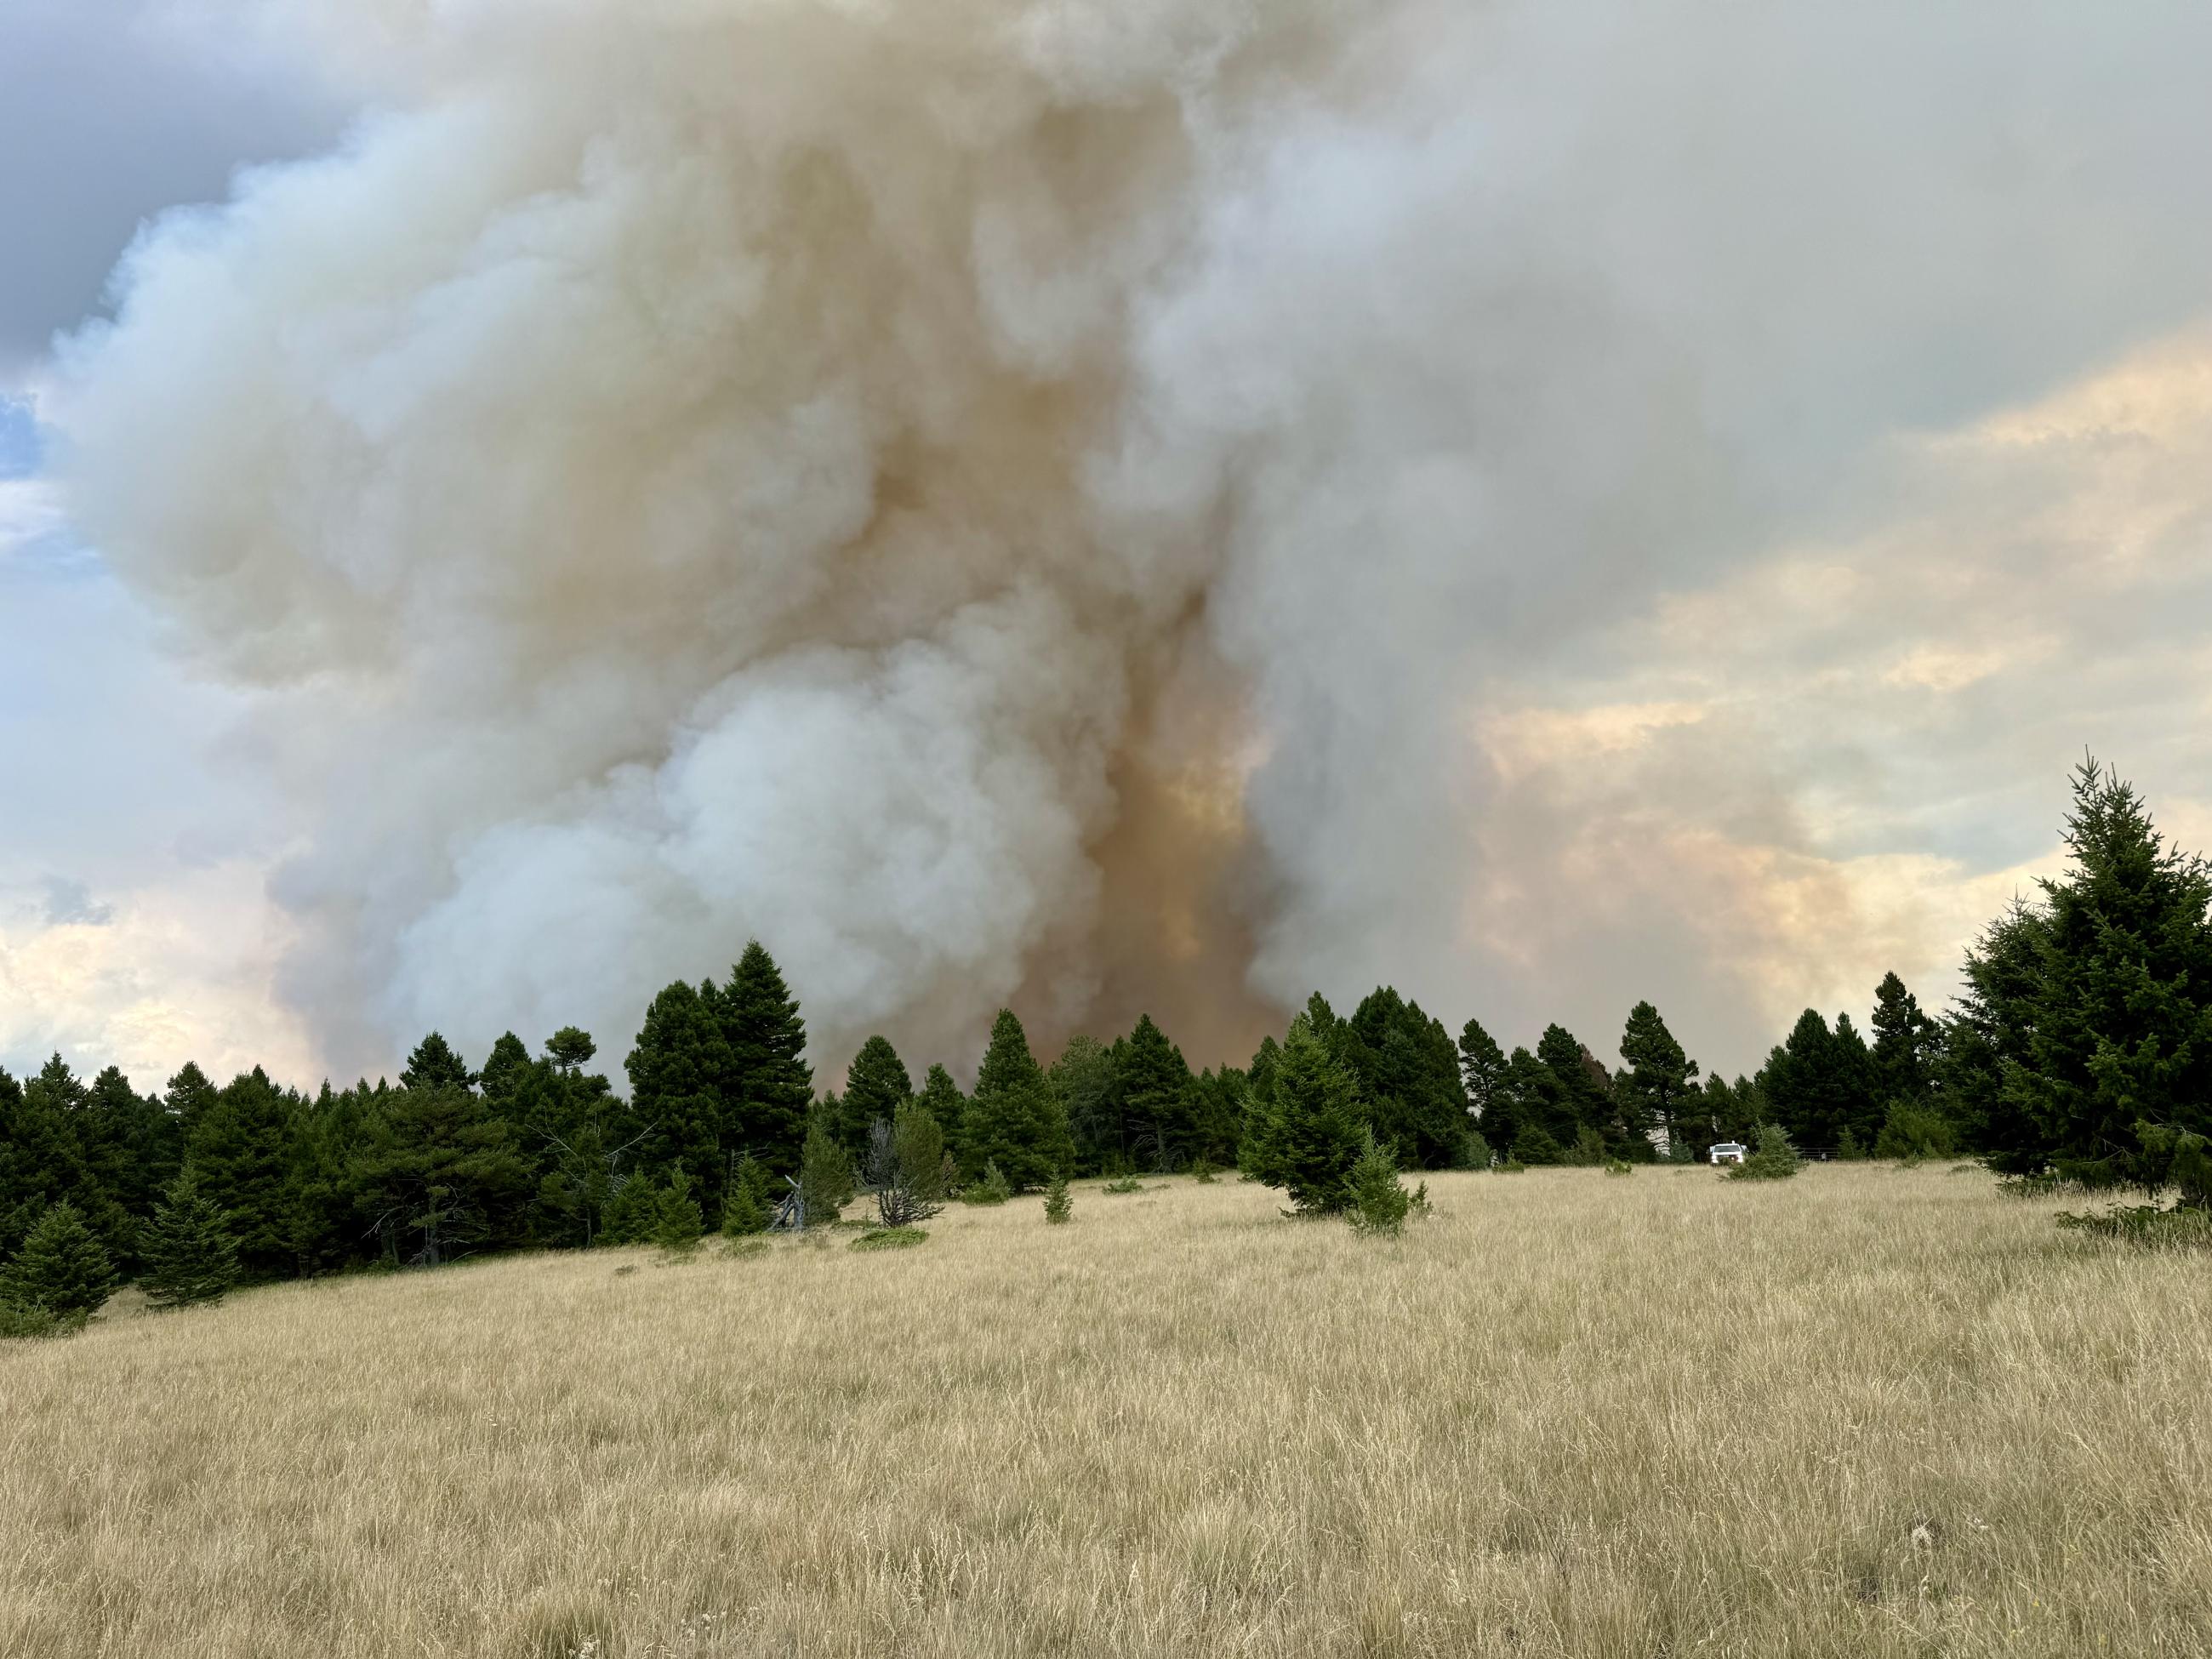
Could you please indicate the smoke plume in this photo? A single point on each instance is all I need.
(1020, 500)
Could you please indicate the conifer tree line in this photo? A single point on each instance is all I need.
(2081, 1046)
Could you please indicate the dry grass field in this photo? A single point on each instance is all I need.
(1868, 1412)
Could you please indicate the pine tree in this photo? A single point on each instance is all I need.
(570, 1049)
(504, 1069)
(1482, 1075)
(677, 1223)
(438, 1168)
(1152, 1084)
(1658, 1078)
(750, 1206)
(876, 1086)
(947, 1105)
(1375, 1202)
(435, 1065)
(1409, 1073)
(676, 1070)
(1575, 1098)
(1985, 1043)
(190, 1254)
(1085, 1078)
(767, 1092)
(1058, 1202)
(1217, 1115)
(1905, 1043)
(245, 1150)
(1015, 1120)
(1310, 1135)
(62, 1269)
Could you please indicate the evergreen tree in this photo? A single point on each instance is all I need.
(62, 1269)
(1858, 1088)
(752, 1204)
(1905, 1045)
(633, 1210)
(1985, 1045)
(244, 1150)
(1375, 1202)
(948, 1106)
(1409, 1073)
(676, 1071)
(768, 1090)
(190, 1254)
(1482, 1074)
(1058, 1202)
(2118, 1018)
(504, 1069)
(677, 1223)
(188, 1098)
(1085, 1078)
(825, 1175)
(434, 1065)
(1311, 1134)
(1658, 1080)
(1015, 1120)
(1577, 1098)
(1217, 1101)
(438, 1171)
(570, 1049)
(876, 1086)
(1151, 1081)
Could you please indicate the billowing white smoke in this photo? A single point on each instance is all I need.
(821, 469)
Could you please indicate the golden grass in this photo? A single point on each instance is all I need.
(1868, 1412)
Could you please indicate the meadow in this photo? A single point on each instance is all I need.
(1871, 1411)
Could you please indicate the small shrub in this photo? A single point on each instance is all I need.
(2145, 1224)
(1202, 1171)
(889, 1238)
(1535, 1145)
(1613, 1166)
(1589, 1147)
(825, 1175)
(1513, 1166)
(1912, 1131)
(1417, 1205)
(905, 1164)
(1773, 1160)
(677, 1223)
(1060, 1203)
(632, 1208)
(746, 1244)
(1376, 1201)
(1125, 1184)
(18, 1321)
(748, 1209)
(2046, 1184)
(1475, 1151)
(1848, 1149)
(992, 1189)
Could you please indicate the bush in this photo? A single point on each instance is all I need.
(1375, 1202)
(1774, 1158)
(1060, 1203)
(1912, 1131)
(1202, 1169)
(825, 1175)
(2145, 1224)
(62, 1269)
(1126, 1184)
(906, 1166)
(993, 1188)
(190, 1254)
(677, 1223)
(17, 1321)
(889, 1238)
(632, 1209)
(1513, 1166)
(1613, 1166)
(748, 1209)
(1475, 1151)
(1848, 1150)
(1535, 1145)
(1589, 1148)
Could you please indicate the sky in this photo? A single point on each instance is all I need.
(1184, 506)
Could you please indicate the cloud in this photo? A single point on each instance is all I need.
(688, 468)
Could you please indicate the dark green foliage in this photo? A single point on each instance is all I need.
(1590, 1149)
(942, 1096)
(1310, 1135)
(677, 1223)
(1848, 1149)
(62, 1269)
(1512, 1166)
(1535, 1145)
(1375, 1200)
(1016, 1119)
(632, 1209)
(1058, 1202)
(750, 1206)
(1657, 1083)
(889, 1238)
(437, 1174)
(767, 1089)
(570, 1049)
(1912, 1131)
(2179, 1158)
(246, 1149)
(1153, 1089)
(504, 1067)
(1574, 1093)
(2145, 1225)
(190, 1254)
(1821, 1082)
(1123, 1184)
(1086, 1077)
(18, 1322)
(1202, 1171)
(825, 1175)
(1475, 1152)
(580, 1138)
(1482, 1068)
(1613, 1166)
(1772, 1158)
(676, 1071)
(876, 1087)
(1408, 1071)
(434, 1065)
(1908, 1046)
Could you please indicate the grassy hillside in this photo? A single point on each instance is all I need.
(1867, 1412)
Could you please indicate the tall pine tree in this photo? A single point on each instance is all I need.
(768, 1090)
(1014, 1119)
(1659, 1079)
